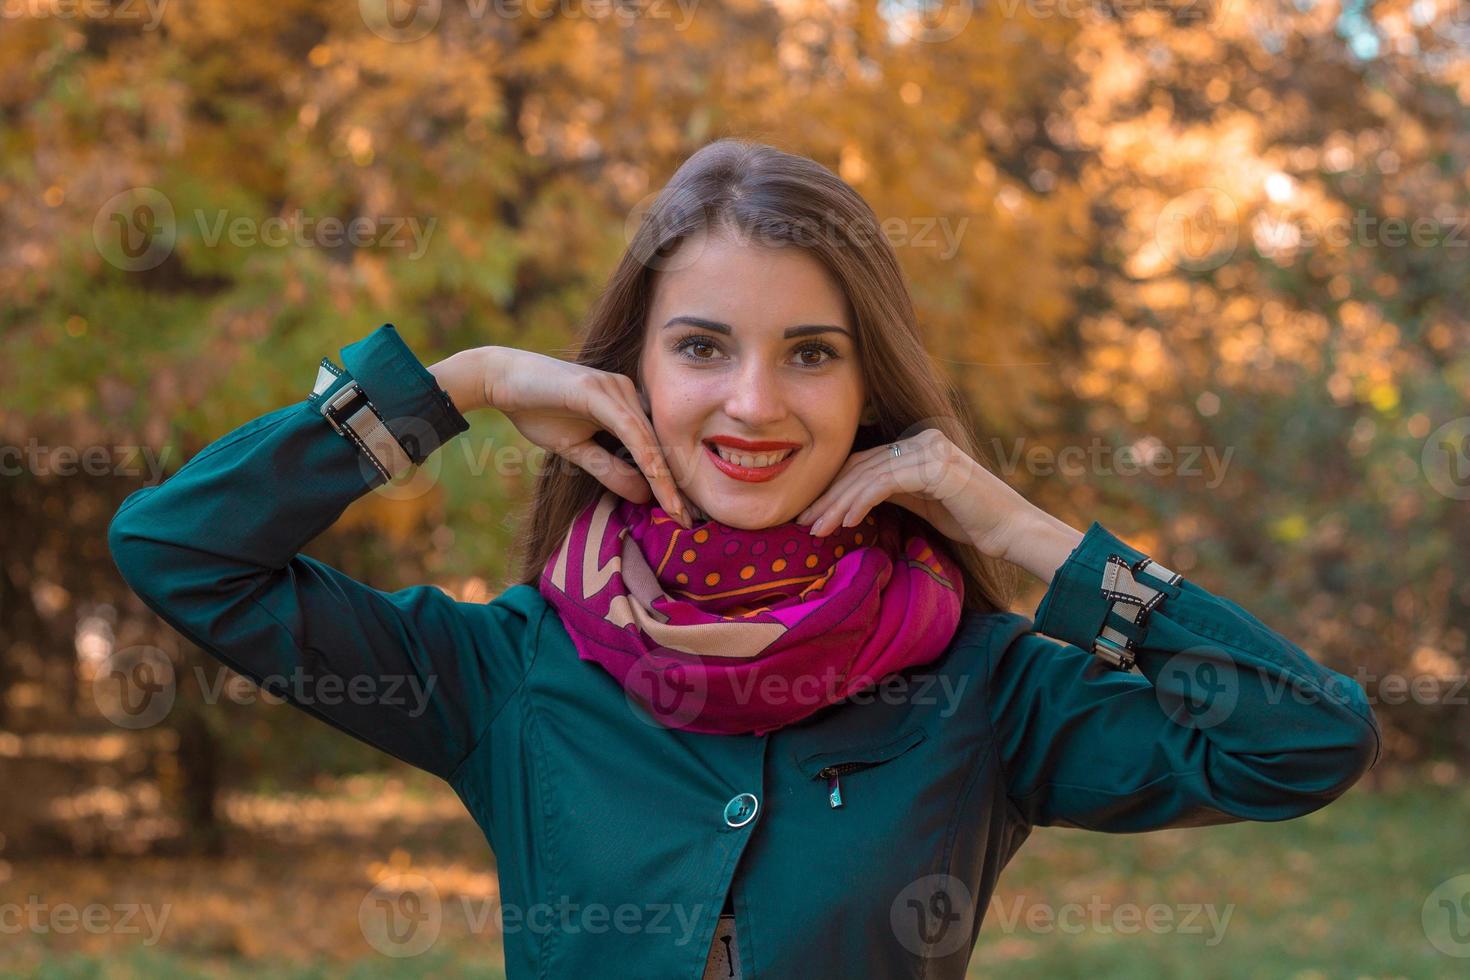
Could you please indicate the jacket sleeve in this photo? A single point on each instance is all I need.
(213, 551)
(1221, 720)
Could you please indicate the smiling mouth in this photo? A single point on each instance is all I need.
(747, 466)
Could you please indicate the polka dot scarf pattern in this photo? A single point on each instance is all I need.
(728, 631)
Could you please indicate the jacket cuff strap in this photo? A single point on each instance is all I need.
(386, 403)
(1101, 597)
(408, 399)
(349, 411)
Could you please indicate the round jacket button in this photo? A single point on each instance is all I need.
(741, 809)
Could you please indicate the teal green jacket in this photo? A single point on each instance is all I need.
(864, 841)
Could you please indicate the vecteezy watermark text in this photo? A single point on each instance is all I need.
(136, 687)
(1126, 918)
(149, 12)
(1145, 456)
(38, 917)
(405, 21)
(137, 229)
(37, 460)
(299, 229)
(403, 915)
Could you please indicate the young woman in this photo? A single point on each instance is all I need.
(767, 665)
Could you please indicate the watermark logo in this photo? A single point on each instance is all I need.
(1445, 458)
(1446, 917)
(135, 230)
(932, 916)
(1453, 23)
(1198, 687)
(138, 229)
(405, 21)
(929, 21)
(933, 476)
(646, 229)
(1198, 231)
(124, 918)
(114, 12)
(665, 692)
(301, 230)
(675, 695)
(673, 236)
(1124, 918)
(401, 916)
(135, 687)
(400, 21)
(62, 460)
(419, 439)
(1147, 455)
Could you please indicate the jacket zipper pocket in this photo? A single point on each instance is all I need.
(857, 759)
(833, 775)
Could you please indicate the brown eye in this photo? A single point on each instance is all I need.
(683, 347)
(828, 350)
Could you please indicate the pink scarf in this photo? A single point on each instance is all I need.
(729, 631)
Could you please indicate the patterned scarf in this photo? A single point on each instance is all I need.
(729, 631)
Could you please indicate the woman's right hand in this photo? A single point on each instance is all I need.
(559, 405)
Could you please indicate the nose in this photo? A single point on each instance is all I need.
(756, 396)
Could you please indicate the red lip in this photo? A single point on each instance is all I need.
(748, 474)
(764, 445)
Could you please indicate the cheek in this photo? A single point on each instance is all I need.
(676, 413)
(830, 413)
(677, 418)
(831, 423)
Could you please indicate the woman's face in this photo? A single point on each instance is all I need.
(751, 343)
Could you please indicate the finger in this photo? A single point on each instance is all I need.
(874, 480)
(860, 483)
(818, 507)
(624, 480)
(656, 465)
(633, 429)
(836, 487)
(870, 497)
(891, 478)
(618, 410)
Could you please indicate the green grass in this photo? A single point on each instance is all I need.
(1338, 893)
(140, 964)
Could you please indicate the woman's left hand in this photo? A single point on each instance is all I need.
(935, 479)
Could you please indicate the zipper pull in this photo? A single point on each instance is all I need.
(834, 791)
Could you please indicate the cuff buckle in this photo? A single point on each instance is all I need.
(333, 408)
(351, 414)
(1131, 600)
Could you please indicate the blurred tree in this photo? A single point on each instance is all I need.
(1104, 211)
(1281, 191)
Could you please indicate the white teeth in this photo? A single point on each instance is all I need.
(756, 460)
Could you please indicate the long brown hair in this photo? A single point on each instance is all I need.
(734, 186)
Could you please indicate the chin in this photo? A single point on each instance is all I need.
(748, 524)
(746, 516)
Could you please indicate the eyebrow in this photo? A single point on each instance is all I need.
(805, 330)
